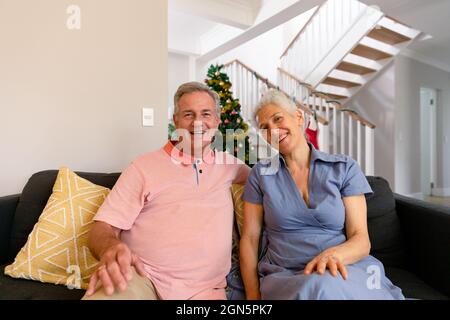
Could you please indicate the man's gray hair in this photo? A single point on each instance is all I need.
(276, 97)
(191, 87)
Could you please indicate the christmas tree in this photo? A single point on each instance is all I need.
(233, 127)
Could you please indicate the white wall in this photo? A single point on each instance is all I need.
(376, 102)
(392, 102)
(262, 54)
(411, 75)
(178, 74)
(74, 98)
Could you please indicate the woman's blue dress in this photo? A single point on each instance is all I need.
(294, 233)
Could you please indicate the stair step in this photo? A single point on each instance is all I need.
(370, 53)
(363, 62)
(336, 96)
(354, 68)
(398, 27)
(347, 76)
(380, 46)
(340, 83)
(387, 36)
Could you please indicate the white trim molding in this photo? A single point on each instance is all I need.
(441, 192)
(418, 195)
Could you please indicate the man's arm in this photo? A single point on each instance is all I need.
(117, 213)
(242, 174)
(101, 237)
(115, 257)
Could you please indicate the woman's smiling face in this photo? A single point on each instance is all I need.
(280, 128)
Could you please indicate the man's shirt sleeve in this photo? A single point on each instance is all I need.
(125, 201)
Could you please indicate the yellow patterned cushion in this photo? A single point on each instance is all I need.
(236, 191)
(56, 250)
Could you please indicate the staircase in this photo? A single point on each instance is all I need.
(337, 126)
(343, 47)
(339, 50)
(248, 87)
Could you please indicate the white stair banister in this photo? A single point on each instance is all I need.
(335, 132)
(342, 132)
(370, 152)
(350, 136)
(358, 142)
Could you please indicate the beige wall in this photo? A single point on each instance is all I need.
(74, 98)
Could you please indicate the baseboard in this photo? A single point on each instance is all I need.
(418, 195)
(441, 192)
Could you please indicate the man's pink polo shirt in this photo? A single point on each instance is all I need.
(177, 216)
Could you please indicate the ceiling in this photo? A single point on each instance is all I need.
(190, 21)
(236, 13)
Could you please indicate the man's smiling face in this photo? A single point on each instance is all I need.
(197, 115)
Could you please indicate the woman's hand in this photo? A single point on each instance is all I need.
(328, 259)
(356, 247)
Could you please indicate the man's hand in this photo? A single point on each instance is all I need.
(114, 269)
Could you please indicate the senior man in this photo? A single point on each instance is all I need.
(164, 231)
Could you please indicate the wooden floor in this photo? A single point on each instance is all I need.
(438, 200)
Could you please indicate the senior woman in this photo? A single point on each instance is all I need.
(311, 211)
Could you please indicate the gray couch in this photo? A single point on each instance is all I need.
(410, 237)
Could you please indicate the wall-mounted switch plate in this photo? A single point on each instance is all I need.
(148, 117)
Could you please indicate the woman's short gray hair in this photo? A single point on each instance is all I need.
(191, 87)
(276, 97)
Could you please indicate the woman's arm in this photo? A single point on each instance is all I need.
(249, 245)
(357, 246)
(354, 249)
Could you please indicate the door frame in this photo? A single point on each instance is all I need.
(428, 139)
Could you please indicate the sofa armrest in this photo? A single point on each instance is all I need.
(8, 206)
(426, 228)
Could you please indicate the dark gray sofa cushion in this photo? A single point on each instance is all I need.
(20, 289)
(384, 225)
(8, 207)
(34, 198)
(412, 286)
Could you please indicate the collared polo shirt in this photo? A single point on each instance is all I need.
(176, 214)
